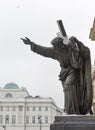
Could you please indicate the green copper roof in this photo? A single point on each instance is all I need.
(11, 86)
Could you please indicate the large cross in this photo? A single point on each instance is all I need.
(62, 32)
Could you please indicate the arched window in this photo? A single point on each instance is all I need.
(8, 95)
(7, 119)
(1, 119)
(13, 119)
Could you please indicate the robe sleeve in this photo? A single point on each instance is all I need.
(49, 52)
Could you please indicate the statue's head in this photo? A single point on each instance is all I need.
(57, 43)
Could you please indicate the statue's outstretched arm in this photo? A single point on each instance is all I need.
(44, 51)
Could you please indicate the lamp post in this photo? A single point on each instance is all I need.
(40, 121)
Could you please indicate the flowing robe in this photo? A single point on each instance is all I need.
(75, 75)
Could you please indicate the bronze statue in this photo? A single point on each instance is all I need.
(75, 74)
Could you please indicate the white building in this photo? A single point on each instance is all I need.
(20, 111)
(93, 82)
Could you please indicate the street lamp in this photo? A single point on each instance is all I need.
(40, 121)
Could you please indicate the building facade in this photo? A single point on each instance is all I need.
(93, 83)
(20, 111)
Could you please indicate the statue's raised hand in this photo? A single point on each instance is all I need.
(26, 41)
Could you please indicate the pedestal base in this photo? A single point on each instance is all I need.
(74, 122)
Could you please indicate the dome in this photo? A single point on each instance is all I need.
(11, 86)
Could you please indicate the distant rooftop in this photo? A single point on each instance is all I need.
(11, 85)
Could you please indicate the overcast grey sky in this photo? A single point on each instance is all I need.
(36, 19)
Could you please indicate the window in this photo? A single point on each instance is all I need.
(13, 119)
(33, 120)
(46, 108)
(34, 108)
(20, 108)
(27, 108)
(7, 119)
(39, 108)
(8, 95)
(39, 119)
(27, 119)
(1, 119)
(46, 119)
(1, 108)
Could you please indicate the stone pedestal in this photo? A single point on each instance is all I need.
(74, 122)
